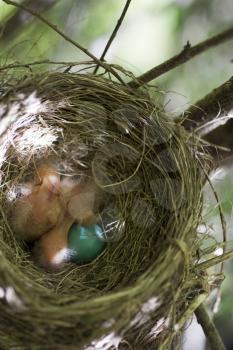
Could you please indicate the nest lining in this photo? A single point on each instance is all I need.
(145, 165)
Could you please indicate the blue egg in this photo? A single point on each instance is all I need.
(85, 242)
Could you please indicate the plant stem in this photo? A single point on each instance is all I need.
(35, 63)
(209, 329)
(214, 261)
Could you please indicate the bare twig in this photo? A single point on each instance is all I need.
(214, 261)
(114, 33)
(221, 215)
(224, 233)
(67, 38)
(185, 55)
(35, 63)
(209, 329)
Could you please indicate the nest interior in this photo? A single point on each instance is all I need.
(147, 169)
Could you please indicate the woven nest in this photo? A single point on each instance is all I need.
(136, 294)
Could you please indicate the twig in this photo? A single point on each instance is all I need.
(221, 215)
(214, 261)
(224, 229)
(29, 64)
(185, 55)
(222, 218)
(67, 38)
(114, 33)
(209, 329)
(224, 233)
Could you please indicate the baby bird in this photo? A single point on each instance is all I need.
(82, 201)
(38, 211)
(52, 248)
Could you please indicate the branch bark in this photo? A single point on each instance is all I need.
(219, 103)
(185, 55)
(212, 116)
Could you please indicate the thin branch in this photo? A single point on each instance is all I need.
(209, 329)
(35, 63)
(224, 233)
(185, 55)
(214, 261)
(114, 33)
(67, 38)
(221, 215)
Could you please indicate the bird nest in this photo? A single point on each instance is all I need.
(137, 292)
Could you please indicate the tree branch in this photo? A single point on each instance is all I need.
(218, 103)
(114, 33)
(67, 38)
(212, 118)
(185, 55)
(209, 329)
